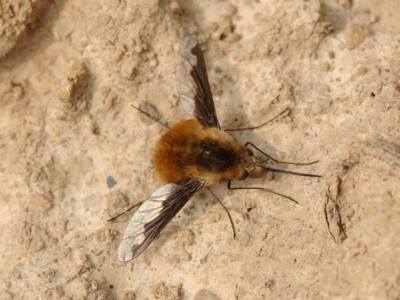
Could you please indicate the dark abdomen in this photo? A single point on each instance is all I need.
(212, 156)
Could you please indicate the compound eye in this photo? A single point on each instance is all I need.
(257, 172)
(243, 174)
(249, 152)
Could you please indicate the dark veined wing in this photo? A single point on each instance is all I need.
(153, 215)
(192, 84)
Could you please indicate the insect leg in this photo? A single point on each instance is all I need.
(125, 211)
(285, 111)
(150, 116)
(227, 211)
(280, 161)
(261, 189)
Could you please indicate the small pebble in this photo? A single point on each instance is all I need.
(111, 182)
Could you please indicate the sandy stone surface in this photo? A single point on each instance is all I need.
(74, 152)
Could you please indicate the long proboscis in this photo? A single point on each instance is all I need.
(273, 169)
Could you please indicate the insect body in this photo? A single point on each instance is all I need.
(192, 154)
(188, 151)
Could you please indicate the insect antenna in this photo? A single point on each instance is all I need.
(227, 211)
(283, 112)
(260, 189)
(150, 116)
(280, 161)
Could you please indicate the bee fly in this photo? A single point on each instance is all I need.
(192, 154)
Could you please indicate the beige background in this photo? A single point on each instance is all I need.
(70, 71)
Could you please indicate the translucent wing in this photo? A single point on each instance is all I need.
(153, 215)
(193, 86)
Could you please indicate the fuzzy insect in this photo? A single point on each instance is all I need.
(193, 154)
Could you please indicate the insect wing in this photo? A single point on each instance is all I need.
(192, 83)
(153, 215)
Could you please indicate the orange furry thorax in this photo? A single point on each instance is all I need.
(190, 151)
